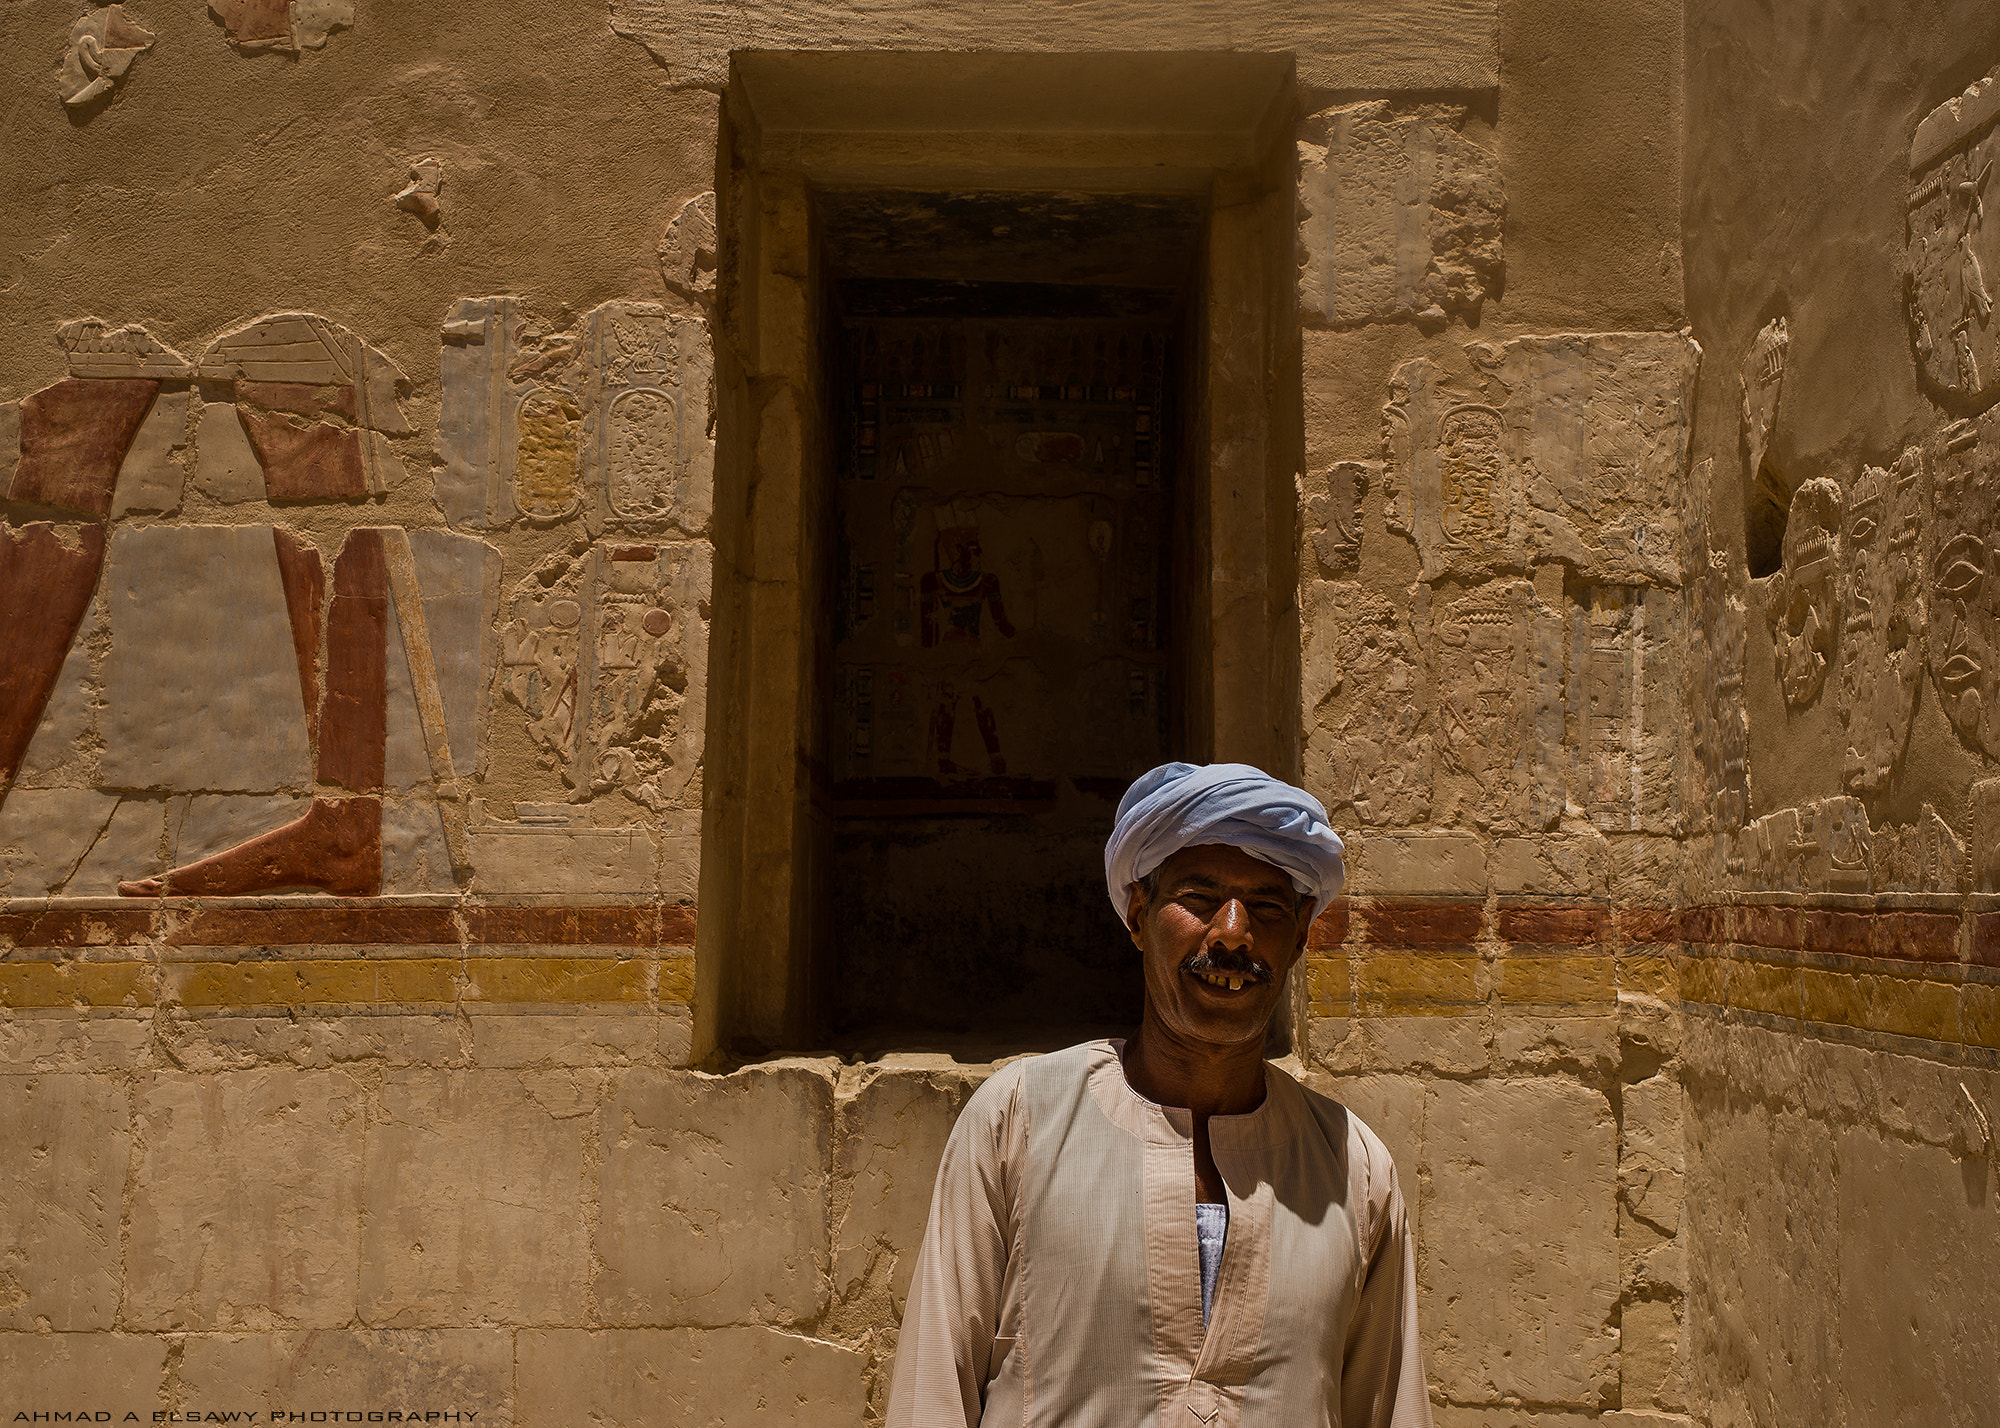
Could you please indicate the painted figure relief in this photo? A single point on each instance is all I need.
(146, 747)
(1001, 517)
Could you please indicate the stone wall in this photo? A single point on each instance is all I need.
(1840, 981)
(374, 471)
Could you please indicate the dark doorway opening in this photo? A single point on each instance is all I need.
(1006, 381)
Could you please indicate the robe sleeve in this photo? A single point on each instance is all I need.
(1382, 1376)
(945, 1353)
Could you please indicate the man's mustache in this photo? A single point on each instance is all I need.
(1222, 961)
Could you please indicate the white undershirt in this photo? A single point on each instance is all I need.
(1211, 1228)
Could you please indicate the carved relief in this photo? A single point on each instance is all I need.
(1952, 252)
(1823, 847)
(293, 25)
(1569, 448)
(1761, 381)
(1882, 618)
(316, 404)
(1332, 501)
(647, 452)
(605, 655)
(1368, 740)
(94, 348)
(1962, 643)
(1802, 599)
(1399, 216)
(610, 421)
(1924, 857)
(102, 46)
(74, 436)
(1719, 726)
(1502, 706)
(421, 194)
(688, 253)
(1626, 641)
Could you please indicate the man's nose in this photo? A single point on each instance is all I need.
(1231, 927)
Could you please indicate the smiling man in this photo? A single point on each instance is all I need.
(1169, 1230)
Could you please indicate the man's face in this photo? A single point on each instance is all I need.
(1218, 936)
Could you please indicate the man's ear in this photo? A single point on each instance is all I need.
(1135, 909)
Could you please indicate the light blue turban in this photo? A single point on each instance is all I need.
(1182, 805)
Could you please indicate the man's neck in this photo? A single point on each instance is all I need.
(1206, 1079)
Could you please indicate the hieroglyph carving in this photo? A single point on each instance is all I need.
(102, 46)
(1802, 599)
(1924, 857)
(607, 655)
(1823, 847)
(648, 456)
(1882, 618)
(282, 24)
(1953, 256)
(1718, 720)
(1399, 216)
(1331, 500)
(1962, 643)
(1501, 709)
(1624, 674)
(610, 421)
(1568, 448)
(1366, 696)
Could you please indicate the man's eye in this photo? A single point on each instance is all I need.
(1270, 911)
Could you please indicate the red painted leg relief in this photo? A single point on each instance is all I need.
(45, 587)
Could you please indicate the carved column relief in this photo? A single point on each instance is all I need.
(1963, 643)
(1367, 696)
(1882, 618)
(1399, 216)
(1570, 448)
(1625, 656)
(1953, 253)
(609, 421)
(1501, 700)
(1801, 602)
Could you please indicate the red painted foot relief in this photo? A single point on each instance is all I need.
(336, 848)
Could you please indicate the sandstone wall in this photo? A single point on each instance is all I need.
(371, 444)
(1840, 1046)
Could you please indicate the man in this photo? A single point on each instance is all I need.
(1170, 1231)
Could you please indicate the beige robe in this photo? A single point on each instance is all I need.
(1059, 1283)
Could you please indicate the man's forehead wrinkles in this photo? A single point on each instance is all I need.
(1205, 883)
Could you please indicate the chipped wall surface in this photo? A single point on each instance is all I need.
(411, 507)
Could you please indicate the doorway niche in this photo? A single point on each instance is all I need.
(1005, 517)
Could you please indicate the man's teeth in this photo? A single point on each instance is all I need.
(1217, 979)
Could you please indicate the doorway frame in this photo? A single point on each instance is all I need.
(1217, 125)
